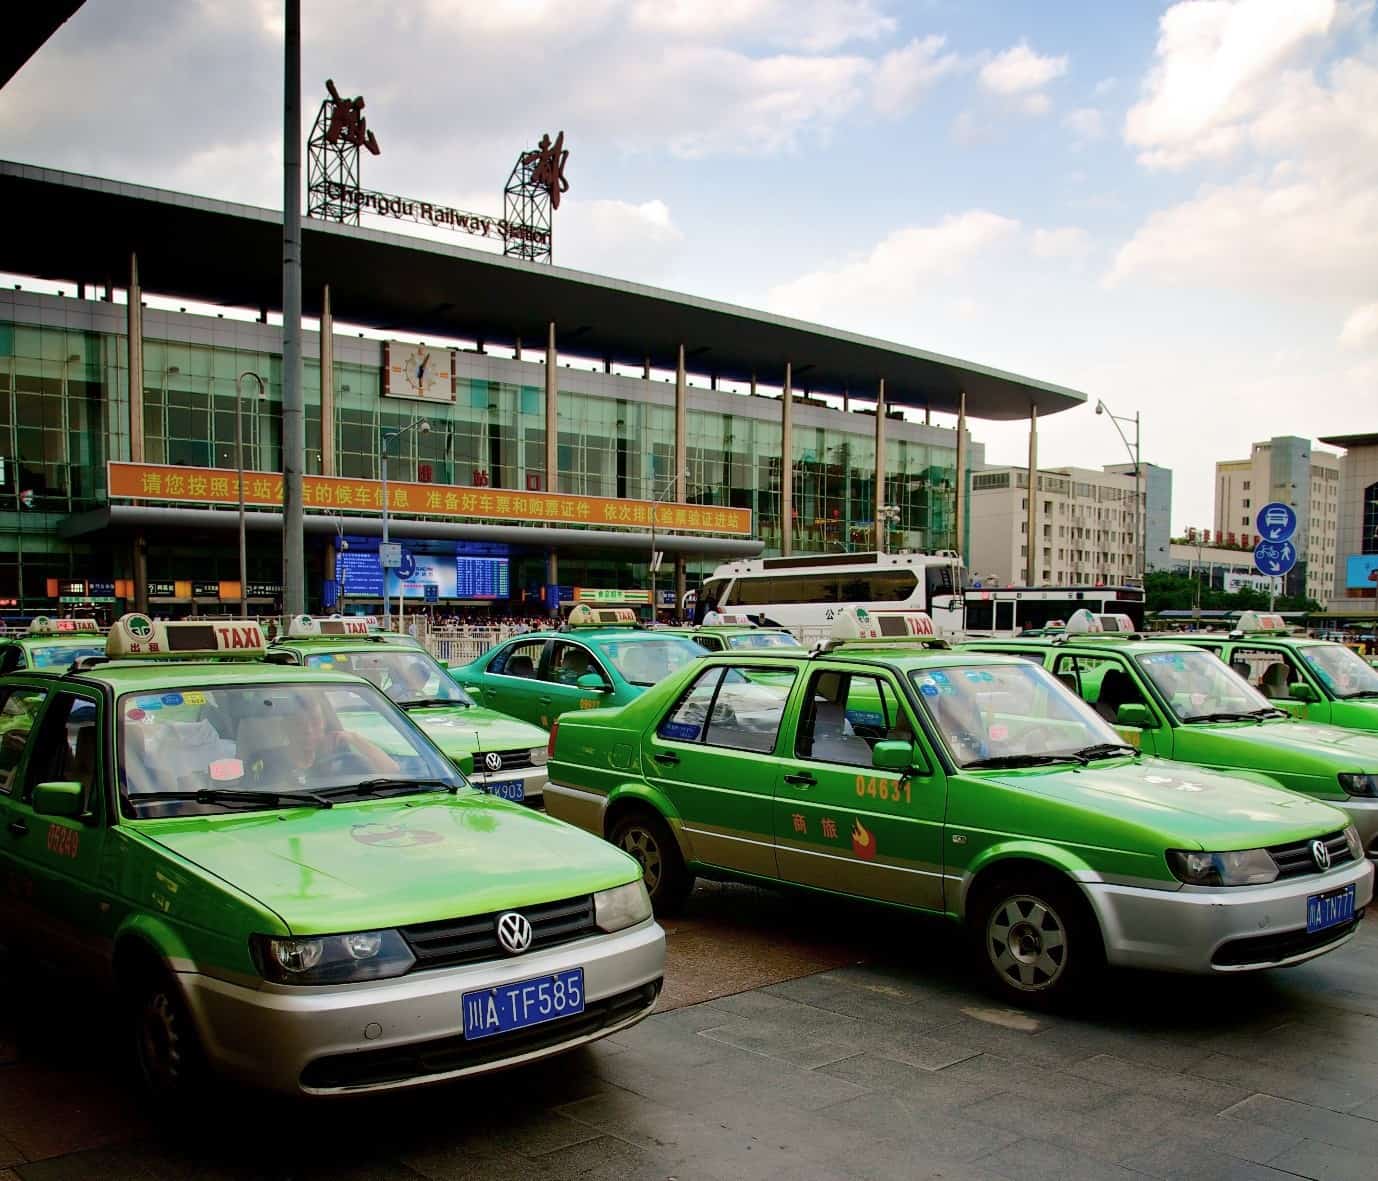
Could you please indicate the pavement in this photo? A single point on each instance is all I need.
(796, 1038)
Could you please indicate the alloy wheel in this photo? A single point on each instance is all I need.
(1026, 940)
(642, 845)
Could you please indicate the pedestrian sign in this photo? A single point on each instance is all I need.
(432, 593)
(1276, 522)
(1275, 558)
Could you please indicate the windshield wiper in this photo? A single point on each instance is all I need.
(1102, 750)
(419, 702)
(1269, 711)
(1023, 761)
(228, 795)
(1223, 716)
(383, 783)
(1358, 693)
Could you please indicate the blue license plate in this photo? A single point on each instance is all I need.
(508, 789)
(1329, 910)
(525, 1002)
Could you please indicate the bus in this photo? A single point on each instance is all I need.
(803, 594)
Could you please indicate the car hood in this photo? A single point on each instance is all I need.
(1187, 805)
(461, 730)
(1325, 748)
(387, 863)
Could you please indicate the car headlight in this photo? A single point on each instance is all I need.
(538, 756)
(1355, 842)
(331, 959)
(622, 906)
(1363, 783)
(1242, 867)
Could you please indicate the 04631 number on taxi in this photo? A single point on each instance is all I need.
(880, 788)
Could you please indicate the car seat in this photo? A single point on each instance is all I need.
(834, 740)
(520, 665)
(1275, 682)
(1116, 689)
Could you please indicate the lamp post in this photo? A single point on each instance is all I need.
(239, 464)
(655, 500)
(1141, 525)
(422, 426)
(886, 516)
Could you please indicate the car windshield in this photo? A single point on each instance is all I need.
(764, 640)
(1010, 714)
(61, 655)
(237, 746)
(407, 675)
(646, 659)
(1199, 685)
(1342, 670)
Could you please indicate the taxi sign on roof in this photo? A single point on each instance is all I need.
(1261, 621)
(1083, 623)
(582, 615)
(729, 620)
(137, 635)
(306, 626)
(42, 625)
(1116, 623)
(862, 623)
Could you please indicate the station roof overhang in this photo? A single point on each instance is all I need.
(567, 541)
(83, 229)
(27, 28)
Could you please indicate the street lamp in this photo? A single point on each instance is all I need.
(422, 426)
(1140, 515)
(886, 516)
(655, 500)
(239, 464)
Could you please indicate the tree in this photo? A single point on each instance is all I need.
(1166, 591)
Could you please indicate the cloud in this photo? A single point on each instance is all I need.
(1216, 64)
(1361, 327)
(901, 267)
(619, 238)
(1105, 86)
(811, 25)
(905, 74)
(1019, 75)
(1086, 123)
(1064, 242)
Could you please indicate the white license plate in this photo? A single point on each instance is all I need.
(522, 1003)
(1330, 909)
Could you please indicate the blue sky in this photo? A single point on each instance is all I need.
(1173, 207)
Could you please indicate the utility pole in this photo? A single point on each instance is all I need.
(293, 409)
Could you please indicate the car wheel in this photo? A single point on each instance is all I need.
(167, 1055)
(1039, 938)
(647, 837)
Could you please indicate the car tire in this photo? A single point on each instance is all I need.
(1039, 938)
(167, 1056)
(646, 837)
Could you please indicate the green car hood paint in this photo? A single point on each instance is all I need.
(1355, 749)
(387, 863)
(459, 730)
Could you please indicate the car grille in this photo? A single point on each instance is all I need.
(443, 1055)
(512, 760)
(1295, 860)
(1274, 949)
(473, 939)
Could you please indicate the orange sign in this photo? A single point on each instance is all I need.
(203, 485)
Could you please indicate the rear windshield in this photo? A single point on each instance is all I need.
(646, 660)
(61, 655)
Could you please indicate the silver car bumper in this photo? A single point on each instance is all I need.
(387, 1034)
(1234, 929)
(1363, 814)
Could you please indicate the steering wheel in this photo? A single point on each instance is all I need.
(346, 761)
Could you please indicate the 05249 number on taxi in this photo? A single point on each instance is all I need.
(880, 788)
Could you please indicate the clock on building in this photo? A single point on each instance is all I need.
(418, 371)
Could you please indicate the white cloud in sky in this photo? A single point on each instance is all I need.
(1086, 123)
(1360, 329)
(619, 238)
(1063, 242)
(811, 25)
(1019, 75)
(906, 74)
(1105, 86)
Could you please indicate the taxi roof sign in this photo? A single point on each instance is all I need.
(310, 626)
(136, 635)
(1083, 623)
(1116, 623)
(851, 624)
(727, 619)
(582, 615)
(1255, 622)
(43, 625)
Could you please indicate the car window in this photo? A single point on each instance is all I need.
(406, 676)
(17, 712)
(648, 659)
(11, 658)
(1342, 670)
(749, 640)
(1198, 684)
(1101, 681)
(64, 749)
(845, 715)
(685, 722)
(1268, 670)
(569, 661)
(521, 659)
(61, 655)
(724, 707)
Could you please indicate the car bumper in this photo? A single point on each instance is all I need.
(388, 1034)
(583, 809)
(1237, 929)
(1363, 814)
(533, 781)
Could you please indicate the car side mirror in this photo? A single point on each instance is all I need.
(593, 683)
(1301, 691)
(1136, 715)
(63, 798)
(445, 664)
(892, 755)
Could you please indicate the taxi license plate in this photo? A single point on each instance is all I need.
(508, 789)
(1329, 910)
(524, 1002)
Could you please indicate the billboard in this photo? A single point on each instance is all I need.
(1361, 572)
(424, 564)
(1237, 582)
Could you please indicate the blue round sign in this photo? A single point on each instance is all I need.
(407, 566)
(1275, 557)
(1276, 522)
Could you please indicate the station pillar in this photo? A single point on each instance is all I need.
(960, 479)
(787, 463)
(134, 328)
(1031, 565)
(327, 342)
(882, 521)
(552, 414)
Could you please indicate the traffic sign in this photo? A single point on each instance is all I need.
(432, 593)
(1276, 522)
(389, 554)
(1274, 558)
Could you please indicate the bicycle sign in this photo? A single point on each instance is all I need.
(1275, 557)
(1276, 522)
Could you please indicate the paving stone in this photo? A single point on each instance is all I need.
(1207, 1097)
(1326, 1162)
(995, 1073)
(1028, 1159)
(772, 1042)
(1316, 1123)
(1172, 1161)
(1337, 1094)
(908, 1126)
(616, 1160)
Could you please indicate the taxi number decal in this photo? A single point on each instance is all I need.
(588, 703)
(65, 842)
(883, 789)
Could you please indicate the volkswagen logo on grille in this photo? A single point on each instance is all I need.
(493, 761)
(1321, 855)
(514, 932)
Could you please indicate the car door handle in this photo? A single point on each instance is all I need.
(545, 700)
(802, 778)
(19, 828)
(668, 757)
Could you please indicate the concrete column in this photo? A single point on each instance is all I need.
(607, 364)
(134, 329)
(517, 350)
(681, 420)
(552, 415)
(881, 522)
(787, 463)
(552, 575)
(847, 399)
(140, 573)
(1031, 566)
(327, 573)
(646, 369)
(960, 480)
(327, 391)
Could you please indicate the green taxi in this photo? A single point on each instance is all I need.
(982, 789)
(736, 634)
(1179, 702)
(600, 657)
(290, 885)
(503, 756)
(1318, 680)
(51, 645)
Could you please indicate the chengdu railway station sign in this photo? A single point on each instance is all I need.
(334, 193)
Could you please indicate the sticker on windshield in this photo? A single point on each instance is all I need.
(972, 674)
(149, 703)
(929, 690)
(865, 717)
(998, 733)
(172, 699)
(687, 731)
(193, 699)
(1198, 699)
(134, 714)
(224, 770)
(941, 678)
